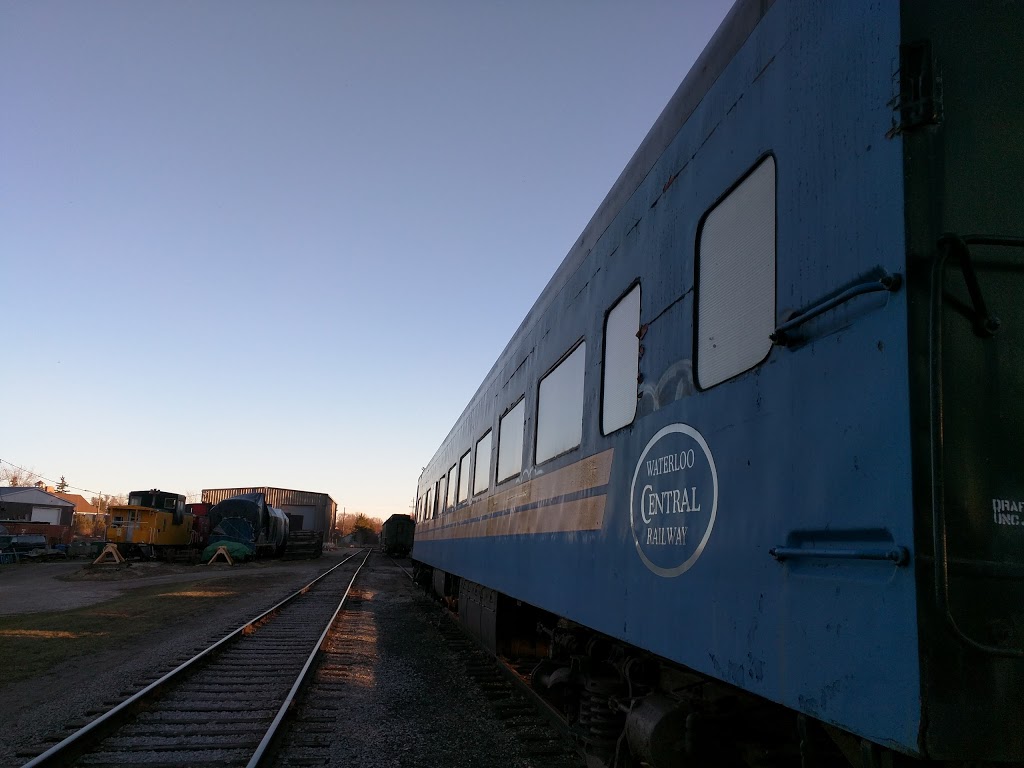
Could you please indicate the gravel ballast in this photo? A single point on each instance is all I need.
(394, 689)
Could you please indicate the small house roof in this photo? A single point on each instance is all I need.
(26, 494)
(82, 506)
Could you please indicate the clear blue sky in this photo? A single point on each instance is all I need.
(255, 243)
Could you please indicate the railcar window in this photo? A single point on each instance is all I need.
(736, 279)
(426, 505)
(510, 442)
(621, 362)
(464, 477)
(451, 485)
(483, 464)
(560, 406)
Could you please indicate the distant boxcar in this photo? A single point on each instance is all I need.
(396, 535)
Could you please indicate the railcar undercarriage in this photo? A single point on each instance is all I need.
(626, 708)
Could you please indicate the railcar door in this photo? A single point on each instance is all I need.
(960, 118)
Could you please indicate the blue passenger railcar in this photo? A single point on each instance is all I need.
(753, 459)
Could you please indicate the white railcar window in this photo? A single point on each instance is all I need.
(736, 279)
(510, 442)
(621, 362)
(483, 464)
(464, 477)
(560, 407)
(426, 505)
(451, 482)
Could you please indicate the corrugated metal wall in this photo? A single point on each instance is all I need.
(324, 506)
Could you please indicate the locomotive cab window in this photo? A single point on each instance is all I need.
(510, 442)
(736, 279)
(483, 464)
(560, 406)
(621, 362)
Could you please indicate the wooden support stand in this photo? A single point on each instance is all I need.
(222, 552)
(109, 554)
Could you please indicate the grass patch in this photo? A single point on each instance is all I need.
(35, 643)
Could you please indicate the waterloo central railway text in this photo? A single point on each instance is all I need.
(674, 502)
(673, 462)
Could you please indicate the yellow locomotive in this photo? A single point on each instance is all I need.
(153, 523)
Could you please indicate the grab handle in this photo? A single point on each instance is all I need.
(897, 555)
(887, 282)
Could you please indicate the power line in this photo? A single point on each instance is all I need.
(54, 482)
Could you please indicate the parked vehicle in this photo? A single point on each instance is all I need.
(30, 546)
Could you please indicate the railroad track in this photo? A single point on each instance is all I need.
(544, 734)
(225, 705)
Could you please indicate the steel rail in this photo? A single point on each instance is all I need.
(262, 751)
(57, 754)
(402, 567)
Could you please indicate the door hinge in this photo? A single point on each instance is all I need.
(918, 102)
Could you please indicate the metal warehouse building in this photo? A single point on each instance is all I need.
(306, 510)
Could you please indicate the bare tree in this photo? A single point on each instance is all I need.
(106, 500)
(16, 476)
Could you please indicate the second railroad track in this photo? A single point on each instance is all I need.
(224, 706)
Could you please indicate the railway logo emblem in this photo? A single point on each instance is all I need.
(673, 500)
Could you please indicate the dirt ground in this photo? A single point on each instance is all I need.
(74, 638)
(62, 586)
